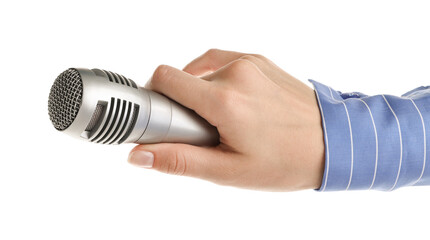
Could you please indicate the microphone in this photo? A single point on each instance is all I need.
(104, 107)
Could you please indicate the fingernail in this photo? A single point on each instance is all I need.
(141, 159)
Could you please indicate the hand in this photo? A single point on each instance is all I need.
(271, 135)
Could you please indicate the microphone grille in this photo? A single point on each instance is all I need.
(65, 99)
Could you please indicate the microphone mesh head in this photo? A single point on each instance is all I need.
(65, 98)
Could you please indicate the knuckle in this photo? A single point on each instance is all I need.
(240, 71)
(211, 52)
(254, 57)
(160, 74)
(258, 56)
(176, 164)
(240, 66)
(251, 58)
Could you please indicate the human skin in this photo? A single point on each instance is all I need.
(271, 135)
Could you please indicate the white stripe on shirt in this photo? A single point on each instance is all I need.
(376, 143)
(425, 145)
(350, 134)
(401, 144)
(327, 161)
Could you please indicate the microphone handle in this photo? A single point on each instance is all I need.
(174, 123)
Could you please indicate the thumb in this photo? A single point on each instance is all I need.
(208, 163)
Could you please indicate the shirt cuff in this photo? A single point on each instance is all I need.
(372, 142)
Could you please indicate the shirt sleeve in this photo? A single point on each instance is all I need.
(374, 142)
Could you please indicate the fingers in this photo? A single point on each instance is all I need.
(214, 59)
(180, 86)
(211, 61)
(204, 97)
(241, 71)
(183, 159)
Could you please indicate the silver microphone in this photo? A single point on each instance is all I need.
(104, 107)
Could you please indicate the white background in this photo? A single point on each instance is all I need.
(55, 187)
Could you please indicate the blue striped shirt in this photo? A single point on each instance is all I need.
(374, 142)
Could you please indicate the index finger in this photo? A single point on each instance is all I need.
(184, 88)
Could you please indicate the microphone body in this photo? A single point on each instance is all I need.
(111, 109)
